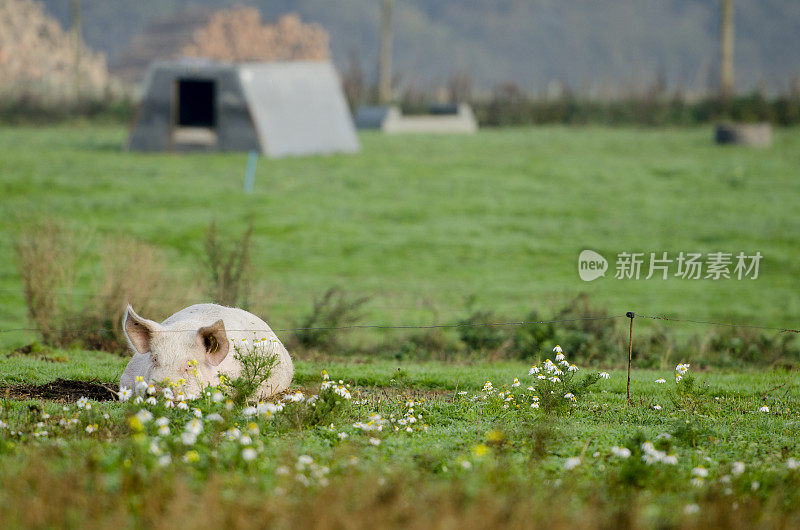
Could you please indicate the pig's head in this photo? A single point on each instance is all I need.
(172, 352)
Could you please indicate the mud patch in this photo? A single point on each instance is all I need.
(64, 390)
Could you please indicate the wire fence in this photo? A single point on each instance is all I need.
(631, 315)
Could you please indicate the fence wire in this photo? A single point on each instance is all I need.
(352, 326)
(441, 326)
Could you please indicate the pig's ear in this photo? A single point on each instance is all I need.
(138, 330)
(215, 341)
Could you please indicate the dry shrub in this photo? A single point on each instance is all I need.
(133, 273)
(237, 35)
(46, 255)
(228, 267)
(38, 56)
(318, 329)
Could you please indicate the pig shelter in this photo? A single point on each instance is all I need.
(278, 109)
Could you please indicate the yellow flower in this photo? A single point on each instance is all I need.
(135, 423)
(191, 456)
(494, 436)
(480, 450)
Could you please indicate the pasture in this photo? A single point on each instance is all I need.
(475, 454)
(419, 225)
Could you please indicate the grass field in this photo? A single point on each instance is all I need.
(421, 223)
(474, 458)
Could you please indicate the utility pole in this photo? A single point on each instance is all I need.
(75, 15)
(385, 61)
(726, 53)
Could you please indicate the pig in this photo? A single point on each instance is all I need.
(208, 333)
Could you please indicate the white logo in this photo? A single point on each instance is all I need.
(591, 265)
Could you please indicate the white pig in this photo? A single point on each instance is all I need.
(208, 333)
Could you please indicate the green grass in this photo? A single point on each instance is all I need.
(420, 223)
(477, 459)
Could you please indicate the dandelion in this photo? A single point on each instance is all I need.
(737, 468)
(604, 375)
(248, 454)
(572, 462)
(661, 380)
(124, 395)
(764, 409)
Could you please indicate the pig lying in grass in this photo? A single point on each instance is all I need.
(209, 333)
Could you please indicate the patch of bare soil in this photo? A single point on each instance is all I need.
(64, 390)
